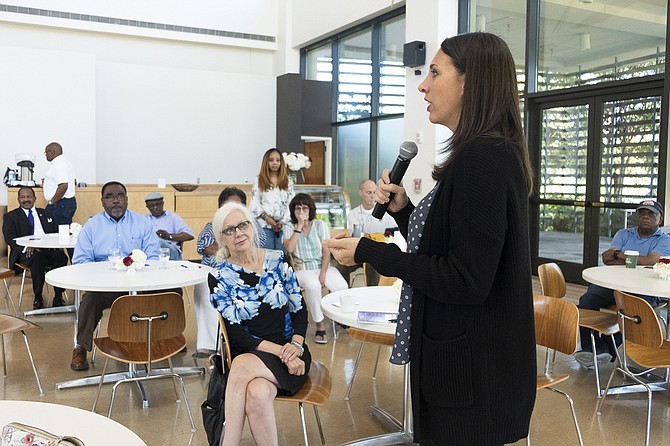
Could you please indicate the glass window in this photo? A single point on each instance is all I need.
(629, 149)
(319, 66)
(354, 98)
(563, 153)
(588, 42)
(391, 70)
(353, 157)
(391, 135)
(506, 20)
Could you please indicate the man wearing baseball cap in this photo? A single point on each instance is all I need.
(652, 244)
(169, 227)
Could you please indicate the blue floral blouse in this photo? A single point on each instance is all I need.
(261, 307)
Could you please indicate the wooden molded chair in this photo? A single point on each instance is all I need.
(643, 342)
(11, 324)
(387, 281)
(552, 283)
(552, 280)
(557, 328)
(144, 329)
(315, 391)
(373, 338)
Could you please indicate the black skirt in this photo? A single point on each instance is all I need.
(288, 384)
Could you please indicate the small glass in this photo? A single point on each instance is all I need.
(114, 255)
(163, 257)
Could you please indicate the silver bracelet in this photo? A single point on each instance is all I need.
(299, 346)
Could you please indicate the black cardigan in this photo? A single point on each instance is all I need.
(473, 360)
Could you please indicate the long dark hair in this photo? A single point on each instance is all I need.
(264, 182)
(490, 106)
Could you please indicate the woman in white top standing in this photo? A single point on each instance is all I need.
(270, 196)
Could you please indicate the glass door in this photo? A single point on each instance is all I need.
(597, 157)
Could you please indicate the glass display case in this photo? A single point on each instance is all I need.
(332, 203)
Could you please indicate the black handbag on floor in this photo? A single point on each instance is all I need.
(213, 414)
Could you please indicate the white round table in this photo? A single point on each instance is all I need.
(640, 280)
(89, 427)
(384, 299)
(46, 241)
(99, 276)
(370, 298)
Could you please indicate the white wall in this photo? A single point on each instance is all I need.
(430, 21)
(138, 106)
(315, 19)
(136, 109)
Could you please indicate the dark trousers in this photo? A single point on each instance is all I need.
(595, 298)
(38, 262)
(90, 312)
(371, 276)
(62, 212)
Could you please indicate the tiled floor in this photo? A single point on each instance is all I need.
(165, 423)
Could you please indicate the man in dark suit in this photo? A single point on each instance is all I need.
(29, 220)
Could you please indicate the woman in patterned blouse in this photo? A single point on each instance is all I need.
(266, 319)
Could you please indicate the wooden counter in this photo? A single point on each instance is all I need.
(196, 208)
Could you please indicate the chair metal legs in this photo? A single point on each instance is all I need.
(301, 409)
(599, 391)
(8, 296)
(353, 375)
(30, 356)
(23, 282)
(637, 380)
(572, 409)
(173, 375)
(358, 360)
(574, 416)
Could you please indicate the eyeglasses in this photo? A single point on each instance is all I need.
(230, 230)
(112, 197)
(301, 208)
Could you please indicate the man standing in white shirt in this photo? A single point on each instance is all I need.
(59, 186)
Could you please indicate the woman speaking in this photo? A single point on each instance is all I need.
(466, 309)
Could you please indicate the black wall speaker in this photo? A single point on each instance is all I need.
(414, 54)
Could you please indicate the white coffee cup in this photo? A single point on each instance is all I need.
(347, 304)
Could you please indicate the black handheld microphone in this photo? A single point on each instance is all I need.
(408, 150)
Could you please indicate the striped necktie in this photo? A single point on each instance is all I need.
(31, 220)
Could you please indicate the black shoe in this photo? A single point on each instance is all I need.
(38, 304)
(58, 302)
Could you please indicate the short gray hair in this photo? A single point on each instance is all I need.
(217, 226)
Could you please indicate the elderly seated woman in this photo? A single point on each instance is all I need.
(256, 292)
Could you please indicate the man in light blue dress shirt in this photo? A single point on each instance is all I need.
(115, 227)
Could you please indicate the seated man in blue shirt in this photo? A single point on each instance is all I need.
(115, 227)
(652, 244)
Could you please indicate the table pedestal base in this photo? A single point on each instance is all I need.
(118, 376)
(393, 438)
(52, 310)
(404, 434)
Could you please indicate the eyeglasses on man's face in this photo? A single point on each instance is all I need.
(230, 230)
(112, 197)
